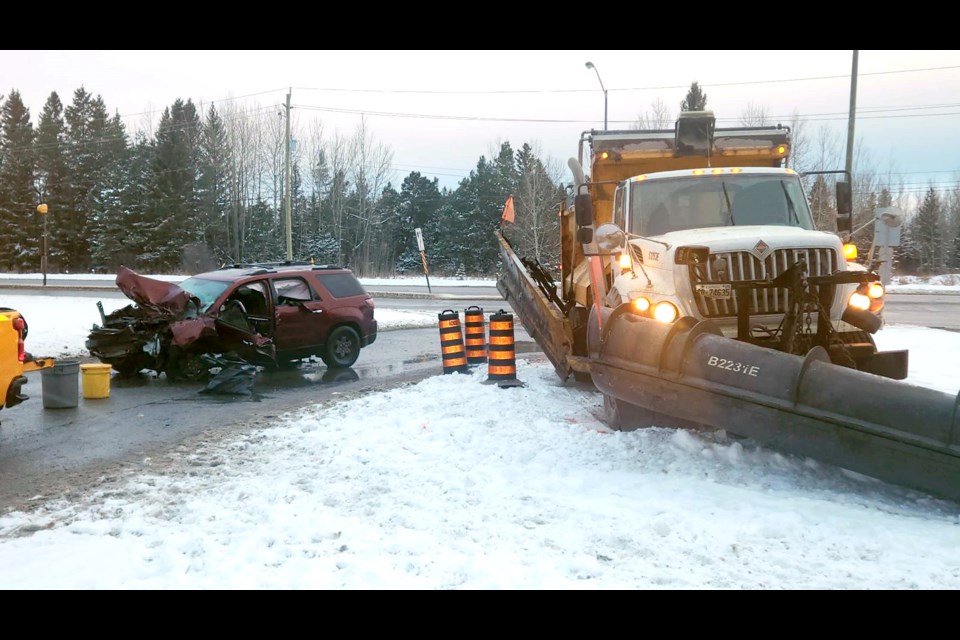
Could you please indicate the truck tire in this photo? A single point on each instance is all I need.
(623, 416)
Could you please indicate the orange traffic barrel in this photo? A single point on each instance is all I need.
(451, 342)
(502, 357)
(475, 336)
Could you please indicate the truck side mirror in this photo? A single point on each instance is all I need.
(844, 198)
(844, 207)
(584, 209)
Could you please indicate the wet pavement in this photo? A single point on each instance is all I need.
(50, 451)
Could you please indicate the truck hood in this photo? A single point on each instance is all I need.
(747, 236)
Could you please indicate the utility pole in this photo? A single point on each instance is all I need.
(851, 118)
(286, 189)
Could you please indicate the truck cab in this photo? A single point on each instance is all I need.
(754, 223)
(698, 224)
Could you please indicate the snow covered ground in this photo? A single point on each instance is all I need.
(454, 483)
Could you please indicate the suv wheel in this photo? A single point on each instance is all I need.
(342, 348)
(187, 366)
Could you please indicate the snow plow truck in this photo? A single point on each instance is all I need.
(695, 291)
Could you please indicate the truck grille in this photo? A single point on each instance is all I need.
(743, 265)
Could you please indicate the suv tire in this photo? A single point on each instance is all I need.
(186, 366)
(342, 348)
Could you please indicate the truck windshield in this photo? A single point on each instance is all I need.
(659, 206)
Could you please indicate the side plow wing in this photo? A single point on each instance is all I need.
(540, 316)
(887, 429)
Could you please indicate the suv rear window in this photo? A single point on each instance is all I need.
(341, 285)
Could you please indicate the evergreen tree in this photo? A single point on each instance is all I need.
(954, 258)
(925, 230)
(418, 204)
(213, 186)
(298, 214)
(53, 176)
(174, 196)
(95, 143)
(108, 225)
(262, 226)
(20, 224)
(695, 100)
(137, 247)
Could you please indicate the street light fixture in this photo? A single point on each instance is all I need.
(591, 66)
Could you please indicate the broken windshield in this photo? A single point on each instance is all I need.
(673, 204)
(206, 290)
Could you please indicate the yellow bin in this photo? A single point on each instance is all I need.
(96, 380)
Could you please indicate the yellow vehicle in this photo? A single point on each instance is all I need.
(695, 291)
(14, 359)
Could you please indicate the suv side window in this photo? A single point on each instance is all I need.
(253, 296)
(341, 285)
(290, 291)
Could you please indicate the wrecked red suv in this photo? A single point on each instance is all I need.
(268, 314)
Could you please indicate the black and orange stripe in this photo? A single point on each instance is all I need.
(475, 335)
(451, 342)
(502, 356)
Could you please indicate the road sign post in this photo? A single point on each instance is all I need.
(423, 256)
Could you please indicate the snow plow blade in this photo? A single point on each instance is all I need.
(887, 429)
(540, 314)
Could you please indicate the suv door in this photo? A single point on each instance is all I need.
(256, 302)
(302, 322)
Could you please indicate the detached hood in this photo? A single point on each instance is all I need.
(152, 293)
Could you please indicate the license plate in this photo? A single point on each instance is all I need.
(715, 291)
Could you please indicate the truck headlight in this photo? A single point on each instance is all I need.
(665, 312)
(875, 290)
(859, 301)
(641, 304)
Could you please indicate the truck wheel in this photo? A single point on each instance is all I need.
(624, 416)
(342, 348)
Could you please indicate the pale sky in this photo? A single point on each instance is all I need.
(456, 484)
(439, 111)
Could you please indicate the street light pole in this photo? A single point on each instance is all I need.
(590, 65)
(42, 210)
(286, 189)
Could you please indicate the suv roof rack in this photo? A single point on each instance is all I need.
(272, 267)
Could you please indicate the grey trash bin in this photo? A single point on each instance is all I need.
(61, 383)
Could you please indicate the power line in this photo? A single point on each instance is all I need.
(429, 116)
(653, 88)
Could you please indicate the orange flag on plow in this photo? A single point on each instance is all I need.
(507, 211)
